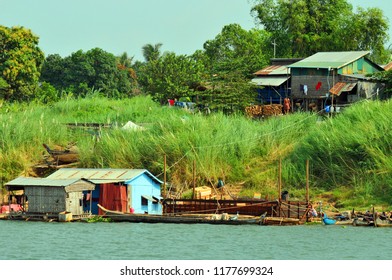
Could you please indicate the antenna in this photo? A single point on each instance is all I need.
(274, 43)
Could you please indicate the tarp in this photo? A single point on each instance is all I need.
(113, 197)
(132, 126)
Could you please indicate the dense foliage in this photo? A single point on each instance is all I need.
(82, 71)
(301, 28)
(20, 63)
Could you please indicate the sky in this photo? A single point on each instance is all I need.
(117, 26)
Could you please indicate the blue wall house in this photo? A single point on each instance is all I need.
(338, 77)
(125, 190)
(273, 82)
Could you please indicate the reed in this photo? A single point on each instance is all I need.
(350, 152)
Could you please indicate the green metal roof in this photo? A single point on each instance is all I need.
(269, 81)
(333, 60)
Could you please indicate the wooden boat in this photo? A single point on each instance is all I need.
(280, 221)
(63, 156)
(217, 219)
(382, 223)
(363, 222)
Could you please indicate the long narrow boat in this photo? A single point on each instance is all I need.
(280, 221)
(360, 222)
(118, 216)
(382, 223)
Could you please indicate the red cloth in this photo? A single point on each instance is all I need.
(318, 86)
(113, 197)
(14, 208)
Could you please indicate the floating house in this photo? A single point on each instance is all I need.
(125, 190)
(51, 196)
(333, 77)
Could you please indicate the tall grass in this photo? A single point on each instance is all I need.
(349, 152)
(353, 150)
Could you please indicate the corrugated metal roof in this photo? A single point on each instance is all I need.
(339, 87)
(273, 70)
(334, 60)
(269, 81)
(104, 175)
(26, 181)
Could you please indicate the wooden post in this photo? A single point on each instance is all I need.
(91, 202)
(280, 185)
(280, 179)
(194, 179)
(307, 187)
(307, 181)
(164, 176)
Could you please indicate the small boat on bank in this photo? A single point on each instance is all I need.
(328, 221)
(383, 223)
(216, 219)
(279, 221)
(362, 222)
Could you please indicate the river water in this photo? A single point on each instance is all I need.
(20, 240)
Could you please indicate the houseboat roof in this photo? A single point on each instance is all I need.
(21, 182)
(101, 175)
(333, 60)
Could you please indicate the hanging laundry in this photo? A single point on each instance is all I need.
(318, 86)
(305, 89)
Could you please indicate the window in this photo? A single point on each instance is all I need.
(144, 201)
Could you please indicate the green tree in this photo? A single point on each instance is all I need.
(303, 27)
(236, 50)
(94, 69)
(151, 52)
(230, 59)
(20, 62)
(170, 76)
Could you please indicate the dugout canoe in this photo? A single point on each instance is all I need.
(217, 219)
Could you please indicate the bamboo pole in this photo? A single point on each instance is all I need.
(280, 185)
(164, 176)
(194, 179)
(307, 181)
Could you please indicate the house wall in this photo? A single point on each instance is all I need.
(311, 77)
(360, 66)
(270, 94)
(74, 203)
(144, 185)
(45, 199)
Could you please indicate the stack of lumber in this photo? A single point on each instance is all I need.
(264, 110)
(202, 192)
(254, 111)
(272, 110)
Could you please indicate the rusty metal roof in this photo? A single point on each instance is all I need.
(339, 87)
(101, 175)
(273, 70)
(333, 60)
